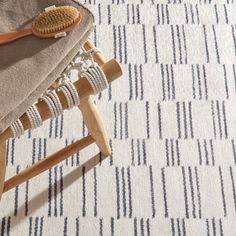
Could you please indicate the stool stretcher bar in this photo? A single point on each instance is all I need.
(91, 117)
(48, 162)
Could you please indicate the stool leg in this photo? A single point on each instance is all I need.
(47, 162)
(95, 125)
(2, 165)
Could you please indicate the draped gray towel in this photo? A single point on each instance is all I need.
(29, 65)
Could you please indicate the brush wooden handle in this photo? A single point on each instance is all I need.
(12, 36)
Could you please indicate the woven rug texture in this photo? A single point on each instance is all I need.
(171, 120)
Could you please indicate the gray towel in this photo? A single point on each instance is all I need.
(29, 65)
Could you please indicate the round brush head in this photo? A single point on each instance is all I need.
(54, 21)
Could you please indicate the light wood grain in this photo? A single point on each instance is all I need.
(91, 115)
(47, 162)
(94, 123)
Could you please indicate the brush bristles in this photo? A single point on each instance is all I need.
(55, 20)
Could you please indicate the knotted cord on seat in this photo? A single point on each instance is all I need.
(17, 128)
(34, 117)
(85, 65)
(53, 103)
(96, 78)
(70, 92)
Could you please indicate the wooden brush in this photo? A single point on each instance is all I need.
(54, 22)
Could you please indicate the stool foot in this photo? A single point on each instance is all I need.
(95, 126)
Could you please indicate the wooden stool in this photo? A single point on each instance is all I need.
(91, 117)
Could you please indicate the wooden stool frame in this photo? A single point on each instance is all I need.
(91, 117)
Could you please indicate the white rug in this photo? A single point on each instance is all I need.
(172, 125)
